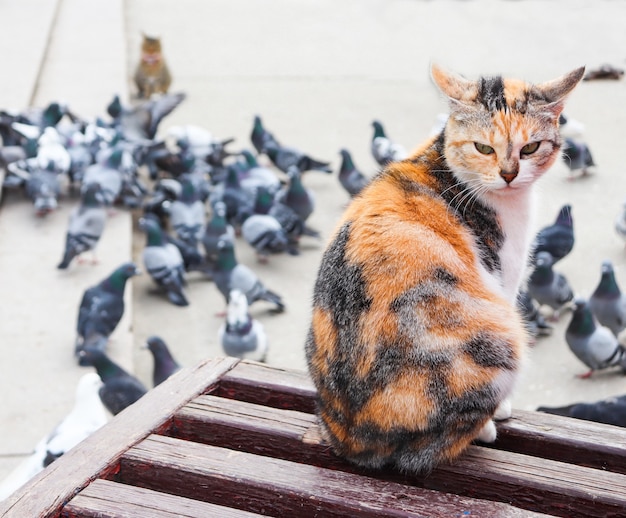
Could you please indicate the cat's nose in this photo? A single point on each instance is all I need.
(507, 176)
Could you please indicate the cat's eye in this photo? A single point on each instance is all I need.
(529, 149)
(483, 148)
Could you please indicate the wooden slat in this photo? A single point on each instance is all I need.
(264, 385)
(105, 498)
(562, 438)
(528, 482)
(99, 452)
(273, 486)
(532, 433)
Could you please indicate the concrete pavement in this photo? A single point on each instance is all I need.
(318, 72)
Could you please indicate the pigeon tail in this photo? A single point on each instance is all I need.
(275, 298)
(177, 298)
(563, 410)
(65, 262)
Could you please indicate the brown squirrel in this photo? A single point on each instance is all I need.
(152, 74)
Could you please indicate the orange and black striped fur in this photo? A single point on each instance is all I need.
(152, 75)
(415, 344)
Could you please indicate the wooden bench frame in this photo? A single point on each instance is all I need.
(233, 438)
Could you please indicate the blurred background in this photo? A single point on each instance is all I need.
(318, 73)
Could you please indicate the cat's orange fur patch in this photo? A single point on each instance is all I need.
(397, 407)
(326, 336)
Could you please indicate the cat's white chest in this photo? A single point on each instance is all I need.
(515, 217)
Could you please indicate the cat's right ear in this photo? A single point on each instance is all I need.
(455, 87)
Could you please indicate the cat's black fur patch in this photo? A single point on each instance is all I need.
(491, 93)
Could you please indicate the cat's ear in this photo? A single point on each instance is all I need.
(556, 91)
(454, 86)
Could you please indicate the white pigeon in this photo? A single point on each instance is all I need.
(385, 150)
(85, 418)
(51, 153)
(241, 335)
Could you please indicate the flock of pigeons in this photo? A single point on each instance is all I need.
(48, 150)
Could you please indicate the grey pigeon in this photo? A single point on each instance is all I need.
(558, 238)
(591, 343)
(230, 275)
(238, 201)
(534, 320)
(285, 157)
(163, 261)
(164, 363)
(141, 121)
(107, 174)
(260, 137)
(86, 224)
(608, 411)
(42, 186)
(101, 308)
(384, 150)
(351, 179)
(292, 223)
(240, 335)
(187, 213)
(120, 389)
(87, 415)
(607, 302)
(252, 176)
(577, 156)
(215, 228)
(548, 287)
(296, 196)
(266, 235)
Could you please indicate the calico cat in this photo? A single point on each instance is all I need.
(152, 75)
(415, 343)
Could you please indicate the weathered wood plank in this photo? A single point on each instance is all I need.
(264, 385)
(105, 498)
(562, 438)
(280, 488)
(98, 453)
(532, 433)
(531, 483)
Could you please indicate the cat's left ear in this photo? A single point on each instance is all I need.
(454, 86)
(556, 91)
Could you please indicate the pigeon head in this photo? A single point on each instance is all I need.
(544, 260)
(565, 216)
(53, 113)
(114, 109)
(90, 356)
(346, 161)
(263, 200)
(583, 323)
(150, 224)
(89, 383)
(116, 282)
(105, 367)
(219, 209)
(378, 130)
(607, 286)
(115, 158)
(249, 158)
(189, 192)
(156, 344)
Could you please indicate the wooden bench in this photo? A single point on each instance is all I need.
(232, 438)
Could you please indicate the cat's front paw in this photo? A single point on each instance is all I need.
(488, 432)
(503, 411)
